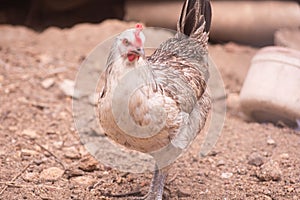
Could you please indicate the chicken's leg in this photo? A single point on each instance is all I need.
(157, 185)
(298, 124)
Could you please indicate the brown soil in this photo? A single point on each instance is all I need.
(250, 160)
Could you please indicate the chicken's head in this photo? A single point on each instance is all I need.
(130, 43)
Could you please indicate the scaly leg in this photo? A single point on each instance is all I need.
(298, 123)
(157, 185)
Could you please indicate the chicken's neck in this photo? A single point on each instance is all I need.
(134, 73)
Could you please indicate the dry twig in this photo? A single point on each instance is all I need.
(15, 177)
(52, 154)
(173, 177)
(14, 184)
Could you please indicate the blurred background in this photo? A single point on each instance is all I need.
(252, 22)
(43, 44)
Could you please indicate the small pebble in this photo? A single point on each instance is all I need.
(12, 128)
(255, 159)
(266, 154)
(47, 83)
(84, 180)
(28, 152)
(58, 144)
(119, 180)
(51, 174)
(88, 164)
(226, 175)
(38, 161)
(45, 59)
(71, 153)
(30, 133)
(183, 192)
(285, 156)
(270, 171)
(74, 172)
(77, 191)
(270, 141)
(105, 173)
(266, 197)
(220, 163)
(68, 88)
(30, 176)
(241, 171)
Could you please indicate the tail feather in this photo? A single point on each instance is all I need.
(194, 14)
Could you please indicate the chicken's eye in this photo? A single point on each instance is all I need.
(126, 42)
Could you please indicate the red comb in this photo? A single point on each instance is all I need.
(139, 26)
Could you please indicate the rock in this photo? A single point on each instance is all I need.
(266, 197)
(183, 192)
(30, 176)
(105, 173)
(266, 154)
(242, 171)
(30, 133)
(119, 179)
(270, 171)
(68, 88)
(71, 152)
(213, 153)
(47, 83)
(255, 159)
(290, 189)
(45, 59)
(270, 141)
(73, 172)
(226, 175)
(28, 152)
(84, 180)
(13, 128)
(220, 163)
(51, 174)
(58, 144)
(88, 164)
(38, 161)
(2, 152)
(284, 156)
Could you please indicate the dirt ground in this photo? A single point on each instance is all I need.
(41, 156)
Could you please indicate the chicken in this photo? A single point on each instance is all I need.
(158, 104)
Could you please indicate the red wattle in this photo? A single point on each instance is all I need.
(131, 57)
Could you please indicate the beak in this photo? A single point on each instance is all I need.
(139, 51)
(135, 54)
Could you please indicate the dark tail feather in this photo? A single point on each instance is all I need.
(194, 14)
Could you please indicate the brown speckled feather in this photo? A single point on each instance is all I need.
(174, 98)
(158, 105)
